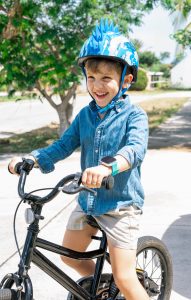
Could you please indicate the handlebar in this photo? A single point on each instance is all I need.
(70, 184)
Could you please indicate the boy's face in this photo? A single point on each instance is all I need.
(104, 84)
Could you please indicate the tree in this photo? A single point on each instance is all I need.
(180, 11)
(147, 58)
(138, 44)
(183, 36)
(40, 41)
(149, 61)
(164, 55)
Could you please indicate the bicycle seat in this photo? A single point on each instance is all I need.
(92, 222)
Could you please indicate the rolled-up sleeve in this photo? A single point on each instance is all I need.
(137, 138)
(60, 149)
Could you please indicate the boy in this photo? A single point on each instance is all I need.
(113, 137)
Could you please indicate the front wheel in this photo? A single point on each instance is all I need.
(10, 294)
(154, 259)
(10, 291)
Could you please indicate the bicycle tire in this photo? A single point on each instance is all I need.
(162, 263)
(8, 294)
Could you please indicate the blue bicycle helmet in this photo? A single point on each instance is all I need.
(108, 43)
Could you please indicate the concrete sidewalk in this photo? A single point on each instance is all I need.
(175, 133)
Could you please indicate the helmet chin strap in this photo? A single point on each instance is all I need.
(121, 92)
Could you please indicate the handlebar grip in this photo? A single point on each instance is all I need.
(26, 165)
(18, 167)
(108, 182)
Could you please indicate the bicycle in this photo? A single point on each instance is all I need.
(154, 265)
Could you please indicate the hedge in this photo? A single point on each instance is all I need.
(141, 82)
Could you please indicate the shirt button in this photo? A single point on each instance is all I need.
(98, 131)
(96, 150)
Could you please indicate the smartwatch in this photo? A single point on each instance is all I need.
(110, 161)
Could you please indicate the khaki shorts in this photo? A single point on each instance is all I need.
(121, 226)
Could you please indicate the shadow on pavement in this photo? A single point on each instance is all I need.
(178, 240)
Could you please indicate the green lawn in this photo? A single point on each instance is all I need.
(159, 110)
(15, 98)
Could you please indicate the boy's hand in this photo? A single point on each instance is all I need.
(92, 177)
(12, 164)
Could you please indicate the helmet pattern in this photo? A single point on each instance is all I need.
(106, 41)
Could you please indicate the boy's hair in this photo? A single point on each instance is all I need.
(93, 65)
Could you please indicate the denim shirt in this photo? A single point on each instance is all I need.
(123, 131)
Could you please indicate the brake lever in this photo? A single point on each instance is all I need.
(70, 189)
(85, 188)
(75, 186)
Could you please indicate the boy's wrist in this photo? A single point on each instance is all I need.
(109, 169)
(110, 162)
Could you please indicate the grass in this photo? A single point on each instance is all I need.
(26, 142)
(15, 98)
(158, 110)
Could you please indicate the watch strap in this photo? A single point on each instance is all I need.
(115, 169)
(113, 165)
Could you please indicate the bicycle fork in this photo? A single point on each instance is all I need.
(21, 278)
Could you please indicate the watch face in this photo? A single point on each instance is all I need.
(108, 159)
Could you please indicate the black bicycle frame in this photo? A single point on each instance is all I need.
(32, 254)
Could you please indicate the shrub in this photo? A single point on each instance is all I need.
(142, 81)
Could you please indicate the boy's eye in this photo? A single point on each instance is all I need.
(90, 77)
(106, 78)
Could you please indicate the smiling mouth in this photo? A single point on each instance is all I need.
(101, 95)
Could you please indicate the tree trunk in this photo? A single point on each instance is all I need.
(64, 109)
(64, 118)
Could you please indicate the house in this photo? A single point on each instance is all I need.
(154, 79)
(181, 73)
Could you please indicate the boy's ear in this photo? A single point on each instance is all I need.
(127, 80)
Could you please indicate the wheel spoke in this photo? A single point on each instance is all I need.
(150, 261)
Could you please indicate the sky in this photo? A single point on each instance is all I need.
(155, 32)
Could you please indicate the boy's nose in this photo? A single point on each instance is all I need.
(98, 83)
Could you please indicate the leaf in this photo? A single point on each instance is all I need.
(48, 37)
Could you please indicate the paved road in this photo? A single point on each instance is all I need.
(23, 116)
